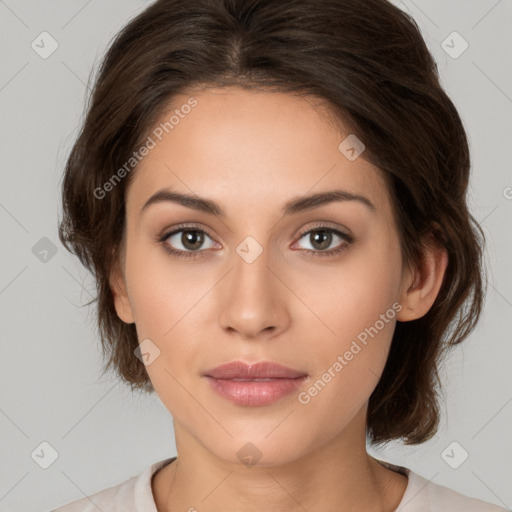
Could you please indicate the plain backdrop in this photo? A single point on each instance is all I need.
(98, 432)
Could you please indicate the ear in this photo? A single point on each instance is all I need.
(420, 288)
(119, 290)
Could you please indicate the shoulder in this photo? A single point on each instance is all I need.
(440, 498)
(423, 495)
(132, 495)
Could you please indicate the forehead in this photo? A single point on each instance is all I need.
(245, 147)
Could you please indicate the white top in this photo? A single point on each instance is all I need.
(421, 495)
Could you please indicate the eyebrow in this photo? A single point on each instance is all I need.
(291, 207)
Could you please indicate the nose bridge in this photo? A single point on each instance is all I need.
(253, 301)
(251, 261)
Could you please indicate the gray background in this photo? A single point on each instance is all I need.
(50, 390)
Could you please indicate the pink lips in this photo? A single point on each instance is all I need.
(254, 384)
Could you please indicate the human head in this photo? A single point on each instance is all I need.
(368, 63)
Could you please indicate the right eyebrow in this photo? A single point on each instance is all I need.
(189, 201)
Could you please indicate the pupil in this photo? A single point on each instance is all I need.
(322, 237)
(192, 239)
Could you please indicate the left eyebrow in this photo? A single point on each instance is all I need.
(291, 207)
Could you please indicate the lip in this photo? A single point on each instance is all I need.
(255, 384)
(261, 370)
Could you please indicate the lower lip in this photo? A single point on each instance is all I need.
(254, 393)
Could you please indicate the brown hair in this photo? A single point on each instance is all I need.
(367, 60)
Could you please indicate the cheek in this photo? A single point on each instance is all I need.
(359, 305)
(166, 307)
(163, 294)
(349, 363)
(352, 295)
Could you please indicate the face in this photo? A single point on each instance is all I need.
(316, 287)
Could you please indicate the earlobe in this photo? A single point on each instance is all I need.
(418, 296)
(121, 300)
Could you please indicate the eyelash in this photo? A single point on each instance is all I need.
(348, 239)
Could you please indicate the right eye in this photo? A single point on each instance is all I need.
(188, 239)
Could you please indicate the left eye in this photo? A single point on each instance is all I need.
(321, 238)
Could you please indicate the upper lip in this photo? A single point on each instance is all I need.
(261, 370)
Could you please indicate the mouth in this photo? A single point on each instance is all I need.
(256, 384)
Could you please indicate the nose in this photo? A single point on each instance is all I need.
(253, 301)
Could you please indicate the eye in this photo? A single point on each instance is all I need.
(321, 238)
(186, 241)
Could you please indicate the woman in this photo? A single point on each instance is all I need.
(272, 198)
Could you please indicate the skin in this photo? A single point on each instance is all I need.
(250, 152)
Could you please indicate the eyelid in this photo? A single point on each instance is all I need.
(326, 225)
(183, 227)
(166, 233)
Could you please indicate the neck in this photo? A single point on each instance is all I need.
(339, 475)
